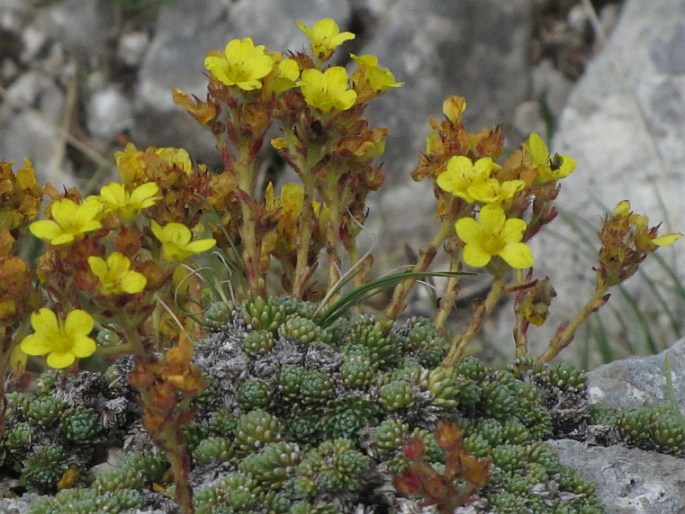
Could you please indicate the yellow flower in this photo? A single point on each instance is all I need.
(453, 108)
(69, 221)
(176, 157)
(242, 64)
(379, 79)
(549, 167)
(494, 235)
(324, 37)
(494, 191)
(462, 176)
(327, 90)
(288, 73)
(63, 342)
(116, 199)
(176, 244)
(115, 275)
(130, 164)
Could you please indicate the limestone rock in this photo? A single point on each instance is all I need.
(625, 126)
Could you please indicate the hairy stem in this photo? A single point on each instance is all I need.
(451, 293)
(302, 267)
(461, 341)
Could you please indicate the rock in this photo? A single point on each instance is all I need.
(29, 121)
(259, 18)
(109, 112)
(82, 27)
(625, 126)
(132, 46)
(639, 381)
(628, 480)
(174, 59)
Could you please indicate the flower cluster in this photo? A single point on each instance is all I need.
(498, 195)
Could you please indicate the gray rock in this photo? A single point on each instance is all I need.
(132, 46)
(628, 480)
(109, 112)
(83, 27)
(272, 22)
(29, 121)
(174, 59)
(625, 125)
(639, 381)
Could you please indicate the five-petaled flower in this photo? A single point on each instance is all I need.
(324, 37)
(327, 90)
(116, 275)
(494, 235)
(494, 191)
(176, 244)
(69, 221)
(549, 167)
(115, 198)
(462, 177)
(62, 341)
(241, 64)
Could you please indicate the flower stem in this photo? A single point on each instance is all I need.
(246, 174)
(451, 293)
(567, 330)
(461, 341)
(302, 268)
(332, 240)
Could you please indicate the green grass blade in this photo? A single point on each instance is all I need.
(356, 296)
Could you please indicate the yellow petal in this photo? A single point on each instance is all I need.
(517, 255)
(133, 282)
(475, 257)
(60, 360)
(492, 219)
(63, 210)
(46, 230)
(97, 266)
(45, 322)
(36, 344)
(201, 246)
(623, 208)
(78, 322)
(114, 194)
(144, 193)
(513, 230)
(83, 346)
(468, 230)
(118, 264)
(667, 239)
(537, 149)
